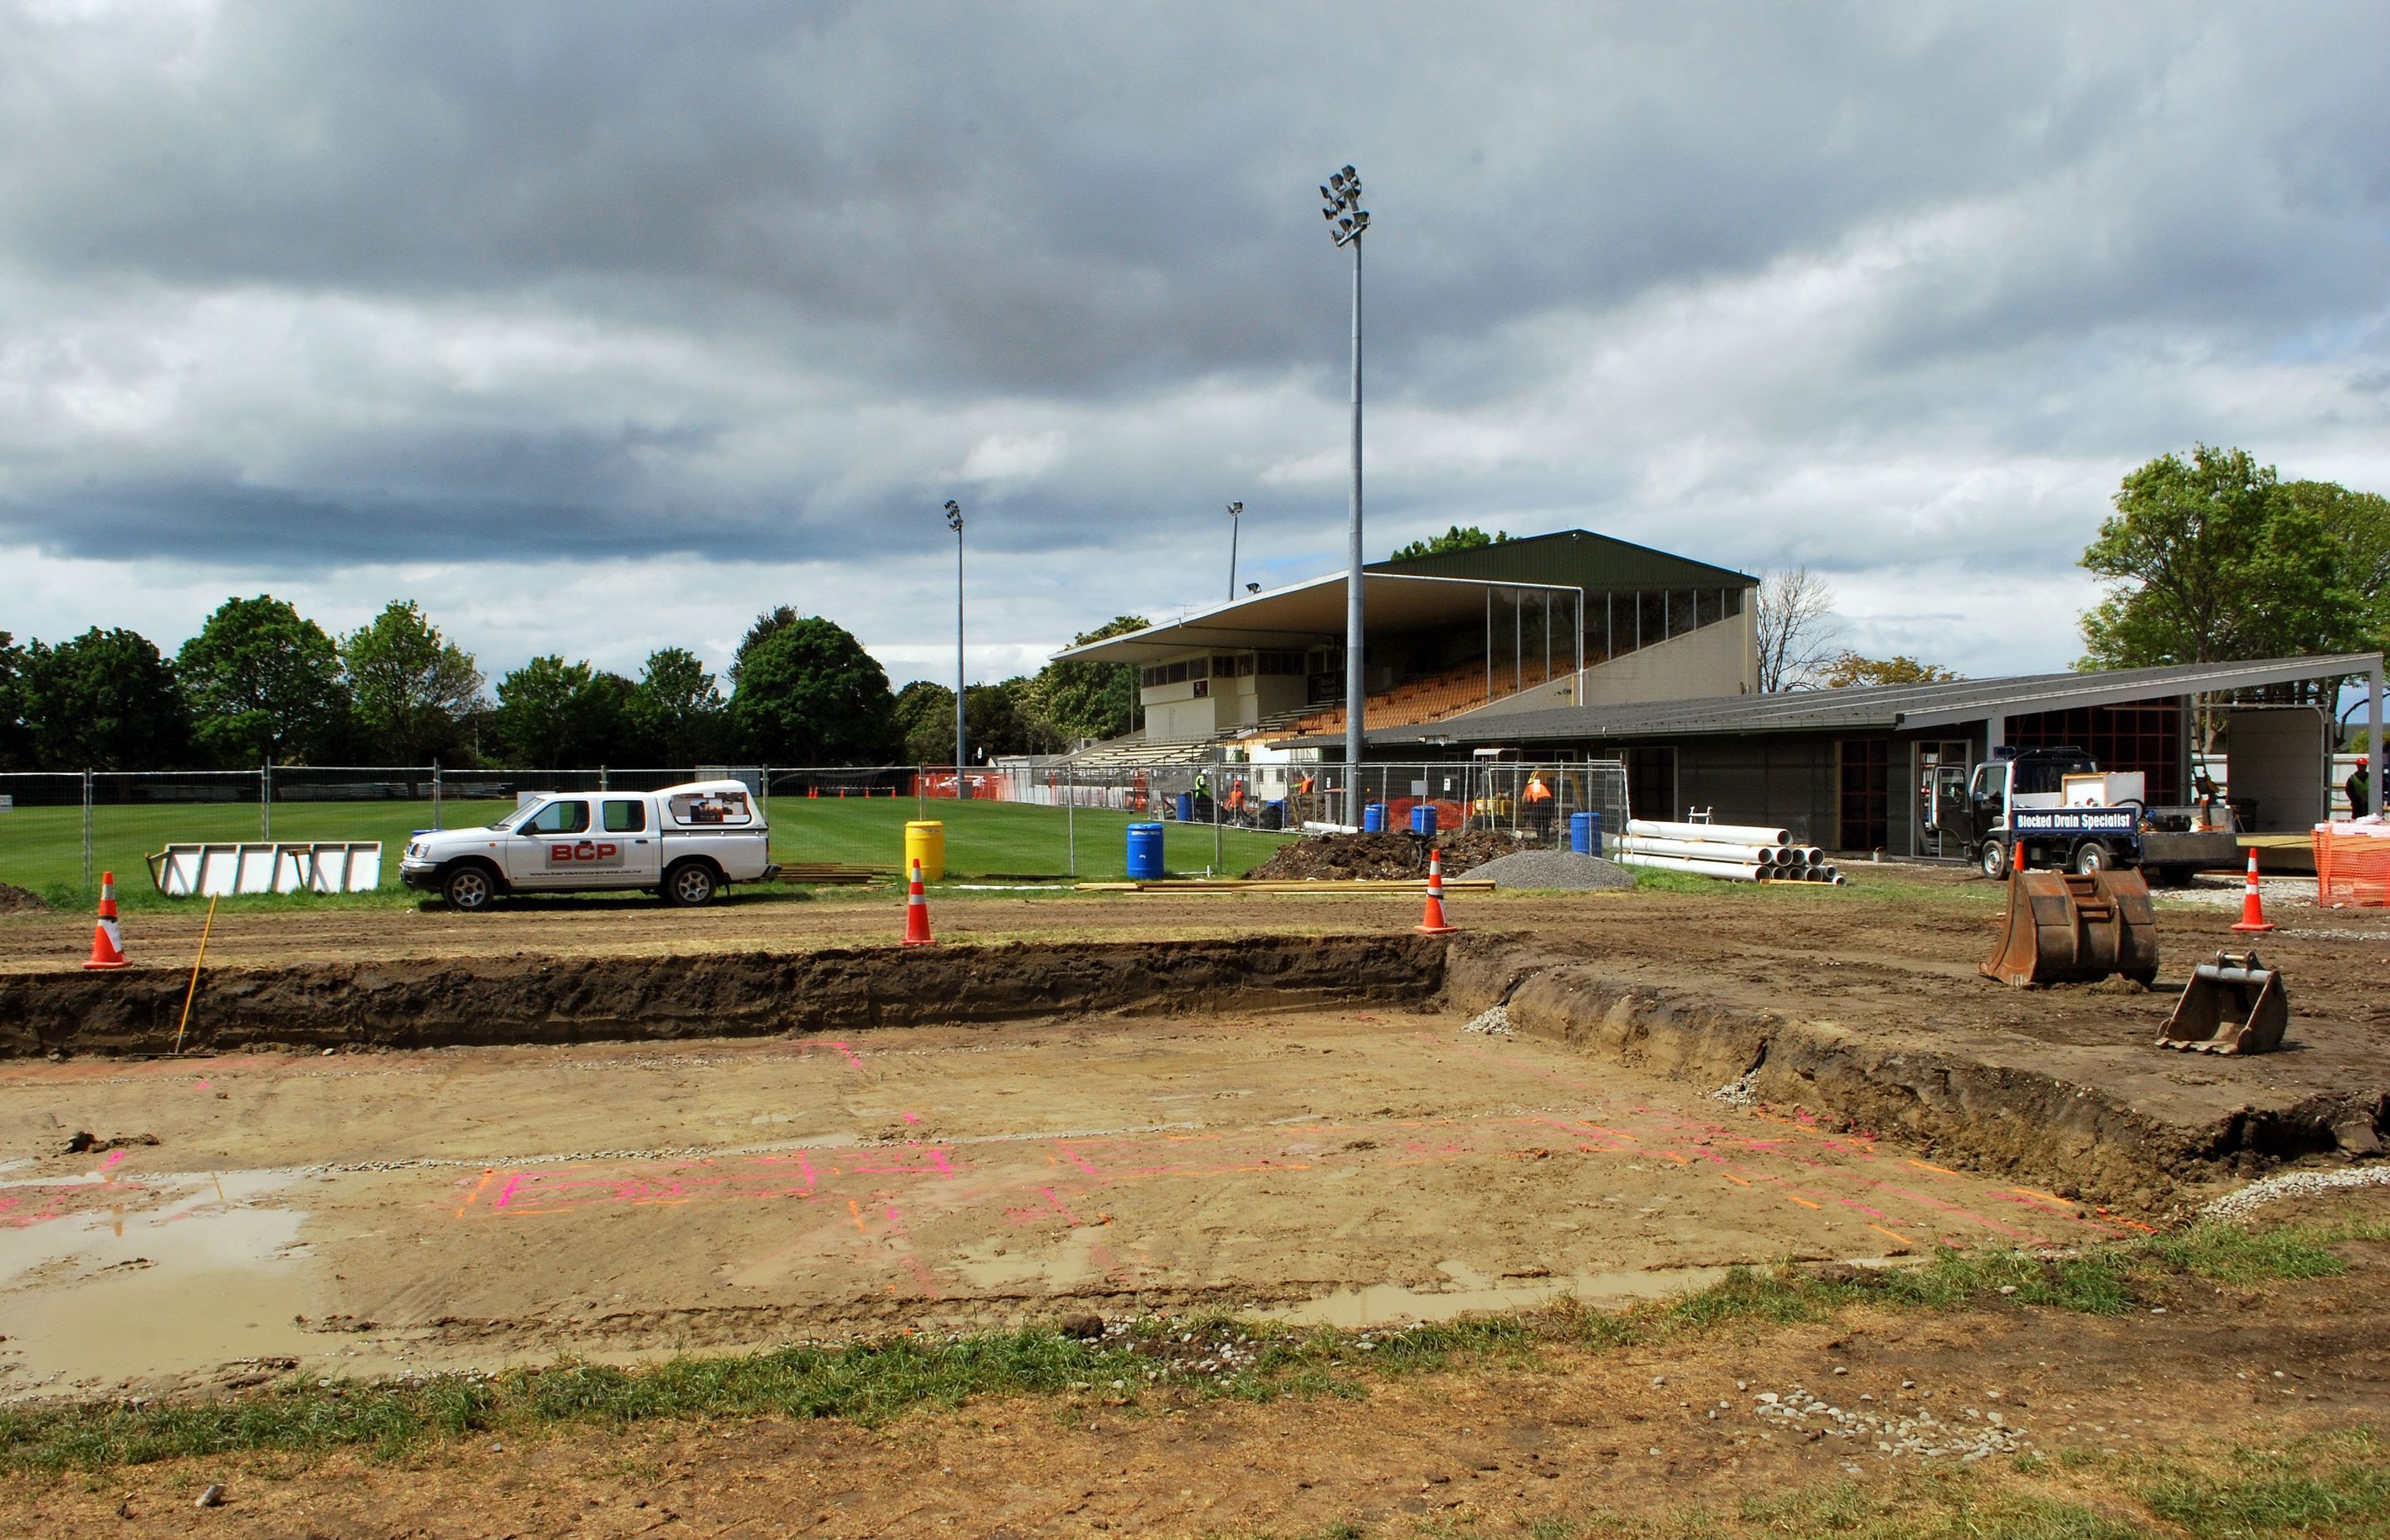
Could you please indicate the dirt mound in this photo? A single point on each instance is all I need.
(18, 900)
(1380, 857)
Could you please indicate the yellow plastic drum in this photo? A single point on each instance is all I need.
(927, 844)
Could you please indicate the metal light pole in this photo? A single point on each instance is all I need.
(955, 522)
(1348, 221)
(1235, 511)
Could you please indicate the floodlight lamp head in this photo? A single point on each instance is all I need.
(1236, 508)
(1253, 587)
(1336, 179)
(954, 515)
(1350, 174)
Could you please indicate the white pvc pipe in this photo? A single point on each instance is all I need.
(1725, 870)
(1700, 849)
(1731, 834)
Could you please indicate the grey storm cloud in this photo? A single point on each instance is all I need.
(437, 283)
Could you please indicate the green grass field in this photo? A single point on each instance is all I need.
(41, 848)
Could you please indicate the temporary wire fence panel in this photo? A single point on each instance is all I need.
(2352, 870)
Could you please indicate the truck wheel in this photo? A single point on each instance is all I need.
(2092, 856)
(1995, 859)
(469, 889)
(689, 885)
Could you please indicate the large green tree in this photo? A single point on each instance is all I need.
(925, 717)
(15, 737)
(767, 625)
(264, 682)
(415, 690)
(105, 700)
(1082, 699)
(675, 713)
(2214, 557)
(808, 694)
(1847, 668)
(1458, 538)
(554, 715)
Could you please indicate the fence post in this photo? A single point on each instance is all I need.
(435, 793)
(1071, 814)
(602, 787)
(86, 831)
(265, 802)
(1216, 792)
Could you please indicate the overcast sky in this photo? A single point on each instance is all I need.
(596, 329)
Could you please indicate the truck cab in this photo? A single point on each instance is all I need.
(2057, 802)
(686, 842)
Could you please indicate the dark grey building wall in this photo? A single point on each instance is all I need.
(1773, 780)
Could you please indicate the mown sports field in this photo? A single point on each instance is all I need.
(41, 848)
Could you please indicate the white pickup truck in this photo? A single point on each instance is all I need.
(686, 842)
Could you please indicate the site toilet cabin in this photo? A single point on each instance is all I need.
(926, 843)
(1144, 852)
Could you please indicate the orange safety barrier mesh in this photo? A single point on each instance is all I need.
(2352, 870)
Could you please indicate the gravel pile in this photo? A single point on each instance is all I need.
(1553, 869)
(2293, 1184)
(1893, 1431)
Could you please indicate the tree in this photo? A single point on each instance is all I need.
(675, 713)
(1847, 668)
(1456, 538)
(1082, 699)
(776, 619)
(16, 736)
(2215, 558)
(413, 689)
(925, 720)
(554, 715)
(1795, 622)
(808, 694)
(264, 682)
(105, 700)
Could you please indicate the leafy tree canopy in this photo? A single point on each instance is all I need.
(808, 694)
(15, 737)
(1082, 699)
(778, 618)
(554, 715)
(413, 689)
(105, 700)
(674, 713)
(2215, 558)
(1458, 538)
(925, 716)
(264, 682)
(1847, 668)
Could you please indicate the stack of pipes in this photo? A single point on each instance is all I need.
(1736, 853)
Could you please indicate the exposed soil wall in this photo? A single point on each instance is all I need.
(2076, 1138)
(532, 1000)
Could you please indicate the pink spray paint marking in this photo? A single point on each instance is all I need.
(109, 1163)
(912, 1117)
(851, 1059)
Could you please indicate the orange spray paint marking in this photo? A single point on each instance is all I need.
(856, 1210)
(1894, 1233)
(1802, 1202)
(2045, 1197)
(1924, 1165)
(475, 1193)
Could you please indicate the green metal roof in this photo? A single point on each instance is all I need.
(1576, 558)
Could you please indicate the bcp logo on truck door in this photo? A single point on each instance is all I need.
(581, 854)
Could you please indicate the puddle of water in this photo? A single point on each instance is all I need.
(202, 1273)
(1392, 1304)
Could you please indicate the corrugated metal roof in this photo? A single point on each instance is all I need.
(1880, 708)
(1580, 559)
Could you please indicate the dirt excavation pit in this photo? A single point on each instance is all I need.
(431, 1209)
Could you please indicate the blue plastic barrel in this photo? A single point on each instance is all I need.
(1593, 834)
(1186, 808)
(1581, 833)
(1374, 818)
(1144, 851)
(1423, 818)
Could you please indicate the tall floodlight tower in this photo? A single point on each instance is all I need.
(1235, 514)
(955, 522)
(1348, 221)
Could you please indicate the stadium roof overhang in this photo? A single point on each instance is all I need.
(1307, 615)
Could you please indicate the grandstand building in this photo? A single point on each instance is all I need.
(1570, 618)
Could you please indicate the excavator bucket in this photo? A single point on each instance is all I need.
(2071, 928)
(2233, 1005)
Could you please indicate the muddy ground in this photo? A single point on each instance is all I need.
(478, 1207)
(1574, 1445)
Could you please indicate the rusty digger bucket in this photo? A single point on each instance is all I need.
(2233, 1005)
(2071, 928)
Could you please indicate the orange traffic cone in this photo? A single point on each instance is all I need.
(2253, 913)
(917, 913)
(107, 941)
(1433, 922)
